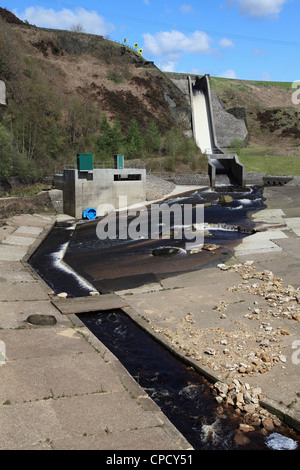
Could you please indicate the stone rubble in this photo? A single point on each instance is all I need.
(245, 351)
(245, 400)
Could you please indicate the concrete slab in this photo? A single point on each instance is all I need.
(99, 412)
(273, 216)
(152, 287)
(12, 253)
(26, 230)
(260, 242)
(294, 224)
(21, 292)
(5, 231)
(179, 298)
(70, 374)
(14, 271)
(88, 304)
(43, 342)
(85, 419)
(47, 404)
(290, 246)
(200, 316)
(19, 240)
(13, 314)
(133, 439)
(283, 263)
(35, 220)
(29, 426)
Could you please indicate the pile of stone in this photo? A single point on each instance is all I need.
(245, 401)
(157, 188)
(239, 353)
(247, 350)
(281, 301)
(238, 394)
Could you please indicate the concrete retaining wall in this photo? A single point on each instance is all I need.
(270, 180)
(195, 179)
(253, 179)
(82, 190)
(235, 168)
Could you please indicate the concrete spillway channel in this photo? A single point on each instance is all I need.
(183, 395)
(205, 135)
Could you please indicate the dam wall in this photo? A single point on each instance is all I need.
(205, 131)
(229, 124)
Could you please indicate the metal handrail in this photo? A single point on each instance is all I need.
(103, 165)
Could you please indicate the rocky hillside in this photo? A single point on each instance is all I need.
(60, 85)
(89, 68)
(272, 119)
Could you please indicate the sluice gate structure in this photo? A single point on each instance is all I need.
(222, 167)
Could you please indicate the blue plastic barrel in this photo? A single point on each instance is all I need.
(89, 213)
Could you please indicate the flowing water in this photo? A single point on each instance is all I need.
(125, 263)
(182, 394)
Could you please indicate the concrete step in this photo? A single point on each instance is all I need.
(78, 305)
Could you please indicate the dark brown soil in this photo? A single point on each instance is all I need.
(10, 17)
(26, 205)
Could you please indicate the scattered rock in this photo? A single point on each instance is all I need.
(285, 332)
(225, 199)
(94, 293)
(246, 427)
(221, 387)
(223, 267)
(210, 351)
(282, 358)
(241, 439)
(268, 424)
(62, 295)
(210, 247)
(250, 349)
(195, 250)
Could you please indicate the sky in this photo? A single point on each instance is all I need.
(242, 39)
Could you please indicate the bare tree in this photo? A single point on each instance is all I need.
(78, 28)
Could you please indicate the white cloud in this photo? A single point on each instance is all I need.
(225, 42)
(266, 76)
(197, 71)
(259, 8)
(185, 9)
(228, 74)
(258, 52)
(167, 65)
(90, 21)
(166, 42)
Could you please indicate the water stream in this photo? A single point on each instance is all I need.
(73, 260)
(181, 393)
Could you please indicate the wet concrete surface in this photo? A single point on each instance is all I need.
(45, 408)
(219, 303)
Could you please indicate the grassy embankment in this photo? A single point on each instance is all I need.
(261, 160)
(281, 160)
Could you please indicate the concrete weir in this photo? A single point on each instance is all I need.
(203, 126)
